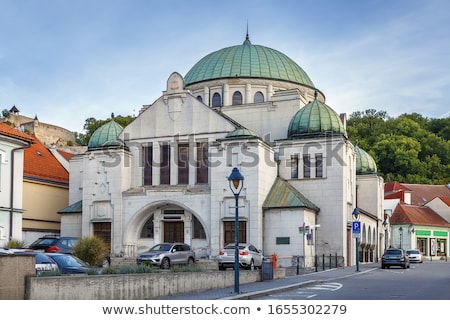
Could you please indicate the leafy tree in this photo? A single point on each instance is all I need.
(408, 149)
(6, 113)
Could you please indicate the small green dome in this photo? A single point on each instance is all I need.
(315, 118)
(247, 61)
(106, 137)
(365, 164)
(242, 133)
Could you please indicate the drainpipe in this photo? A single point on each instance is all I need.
(11, 195)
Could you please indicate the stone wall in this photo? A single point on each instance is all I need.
(135, 286)
(13, 271)
(48, 134)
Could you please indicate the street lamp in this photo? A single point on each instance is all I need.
(400, 230)
(236, 181)
(355, 215)
(385, 227)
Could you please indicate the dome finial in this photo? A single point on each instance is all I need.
(112, 115)
(246, 36)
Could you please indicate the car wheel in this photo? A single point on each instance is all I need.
(165, 263)
(191, 262)
(251, 266)
(222, 268)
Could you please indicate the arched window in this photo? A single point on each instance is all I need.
(199, 232)
(237, 98)
(216, 100)
(199, 98)
(147, 229)
(259, 97)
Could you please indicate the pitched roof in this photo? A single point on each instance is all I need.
(420, 193)
(445, 200)
(41, 165)
(12, 132)
(76, 207)
(412, 214)
(284, 195)
(65, 155)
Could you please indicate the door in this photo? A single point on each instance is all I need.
(102, 230)
(173, 231)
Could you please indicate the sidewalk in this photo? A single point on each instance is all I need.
(247, 291)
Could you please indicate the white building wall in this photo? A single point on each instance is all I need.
(6, 161)
(332, 193)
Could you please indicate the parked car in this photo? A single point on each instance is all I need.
(69, 264)
(395, 257)
(54, 244)
(414, 255)
(43, 262)
(249, 257)
(164, 255)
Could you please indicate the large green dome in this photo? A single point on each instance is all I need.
(315, 118)
(106, 137)
(365, 164)
(247, 61)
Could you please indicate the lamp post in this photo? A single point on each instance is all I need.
(236, 182)
(385, 226)
(400, 230)
(355, 215)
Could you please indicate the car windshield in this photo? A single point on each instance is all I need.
(412, 252)
(43, 242)
(69, 261)
(161, 247)
(394, 252)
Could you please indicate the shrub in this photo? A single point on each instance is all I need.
(91, 249)
(15, 244)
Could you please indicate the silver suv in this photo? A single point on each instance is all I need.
(164, 255)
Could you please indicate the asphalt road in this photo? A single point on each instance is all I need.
(424, 281)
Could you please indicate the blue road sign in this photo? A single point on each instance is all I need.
(356, 226)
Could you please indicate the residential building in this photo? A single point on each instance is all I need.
(419, 219)
(45, 190)
(12, 145)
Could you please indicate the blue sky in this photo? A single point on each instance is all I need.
(66, 61)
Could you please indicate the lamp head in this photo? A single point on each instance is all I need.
(355, 214)
(384, 225)
(236, 181)
(400, 229)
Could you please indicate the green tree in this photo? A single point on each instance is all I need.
(409, 148)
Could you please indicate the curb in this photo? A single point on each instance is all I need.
(249, 295)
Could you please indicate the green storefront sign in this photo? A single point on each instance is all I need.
(440, 233)
(423, 233)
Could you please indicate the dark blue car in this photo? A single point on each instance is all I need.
(69, 264)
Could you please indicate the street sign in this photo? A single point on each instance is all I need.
(356, 229)
(303, 230)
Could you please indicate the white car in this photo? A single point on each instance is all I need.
(414, 255)
(249, 257)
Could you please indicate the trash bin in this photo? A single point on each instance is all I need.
(267, 270)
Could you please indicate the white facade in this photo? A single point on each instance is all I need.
(11, 187)
(147, 202)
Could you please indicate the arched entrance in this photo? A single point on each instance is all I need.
(167, 222)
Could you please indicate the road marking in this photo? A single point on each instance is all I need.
(333, 286)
